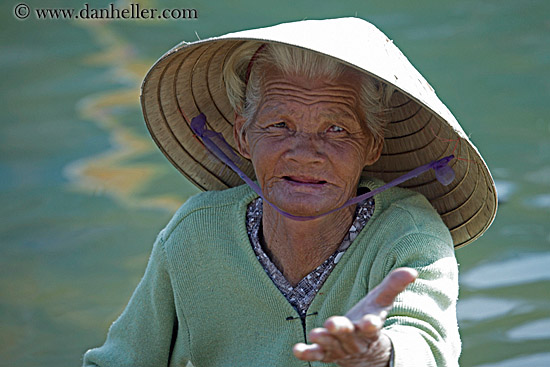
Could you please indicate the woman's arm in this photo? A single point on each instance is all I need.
(144, 332)
(416, 324)
(422, 323)
(357, 339)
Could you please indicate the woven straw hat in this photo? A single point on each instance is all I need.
(188, 80)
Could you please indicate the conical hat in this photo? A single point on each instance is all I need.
(188, 80)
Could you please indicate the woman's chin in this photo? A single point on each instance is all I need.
(303, 205)
(305, 199)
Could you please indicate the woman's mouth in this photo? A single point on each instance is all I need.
(304, 180)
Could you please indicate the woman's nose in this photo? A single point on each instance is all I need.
(304, 148)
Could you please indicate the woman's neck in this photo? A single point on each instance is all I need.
(298, 247)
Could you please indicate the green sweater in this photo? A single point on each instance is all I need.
(205, 298)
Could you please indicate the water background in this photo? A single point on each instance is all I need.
(84, 191)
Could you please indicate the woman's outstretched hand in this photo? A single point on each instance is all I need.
(357, 339)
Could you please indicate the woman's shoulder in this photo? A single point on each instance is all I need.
(208, 200)
(408, 208)
(211, 206)
(406, 226)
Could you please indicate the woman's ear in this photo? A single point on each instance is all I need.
(240, 136)
(375, 151)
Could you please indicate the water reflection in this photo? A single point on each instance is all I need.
(539, 176)
(534, 360)
(508, 273)
(486, 308)
(505, 190)
(538, 329)
(539, 201)
(120, 171)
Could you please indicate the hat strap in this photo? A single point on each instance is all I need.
(443, 173)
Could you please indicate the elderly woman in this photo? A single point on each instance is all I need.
(317, 260)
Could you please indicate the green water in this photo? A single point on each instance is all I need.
(84, 191)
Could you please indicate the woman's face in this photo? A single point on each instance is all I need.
(306, 142)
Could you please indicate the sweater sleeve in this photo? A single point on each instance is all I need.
(143, 334)
(422, 324)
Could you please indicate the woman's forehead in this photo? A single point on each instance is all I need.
(296, 91)
(323, 108)
(349, 79)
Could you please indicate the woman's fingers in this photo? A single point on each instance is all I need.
(308, 352)
(348, 339)
(358, 333)
(338, 341)
(341, 340)
(369, 327)
(381, 298)
(392, 285)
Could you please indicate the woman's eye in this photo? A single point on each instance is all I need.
(335, 129)
(279, 124)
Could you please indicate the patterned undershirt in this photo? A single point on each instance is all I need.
(301, 296)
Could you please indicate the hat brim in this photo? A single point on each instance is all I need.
(188, 80)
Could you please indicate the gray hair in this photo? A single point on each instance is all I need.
(373, 99)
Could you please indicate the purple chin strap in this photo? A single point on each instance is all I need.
(217, 145)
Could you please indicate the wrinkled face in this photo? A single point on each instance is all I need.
(306, 142)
